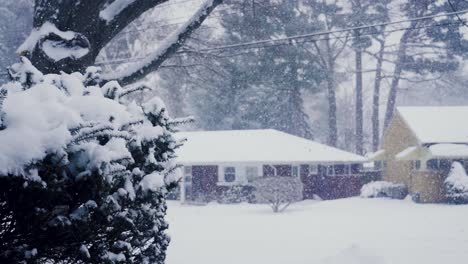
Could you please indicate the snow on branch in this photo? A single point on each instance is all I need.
(278, 192)
(64, 137)
(115, 8)
(182, 121)
(56, 44)
(167, 48)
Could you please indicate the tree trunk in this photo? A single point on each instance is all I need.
(401, 57)
(88, 26)
(359, 112)
(331, 97)
(376, 98)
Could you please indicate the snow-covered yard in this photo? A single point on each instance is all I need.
(348, 231)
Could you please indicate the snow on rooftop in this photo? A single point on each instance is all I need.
(449, 150)
(439, 124)
(262, 146)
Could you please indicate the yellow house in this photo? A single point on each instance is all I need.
(419, 146)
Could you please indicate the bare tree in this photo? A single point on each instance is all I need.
(328, 51)
(278, 192)
(376, 95)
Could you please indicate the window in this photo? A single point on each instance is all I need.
(378, 165)
(339, 170)
(295, 171)
(416, 165)
(229, 174)
(438, 164)
(188, 179)
(188, 170)
(251, 173)
(188, 174)
(348, 170)
(313, 169)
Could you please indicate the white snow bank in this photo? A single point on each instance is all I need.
(355, 255)
(310, 232)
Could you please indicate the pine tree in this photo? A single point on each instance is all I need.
(263, 88)
(99, 196)
(456, 184)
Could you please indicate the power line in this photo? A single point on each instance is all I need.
(454, 10)
(272, 42)
(292, 39)
(132, 60)
(321, 33)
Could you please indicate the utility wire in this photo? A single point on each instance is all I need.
(454, 10)
(321, 33)
(291, 39)
(133, 60)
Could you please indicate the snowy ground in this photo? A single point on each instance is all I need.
(347, 231)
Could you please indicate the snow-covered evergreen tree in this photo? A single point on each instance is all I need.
(456, 184)
(83, 172)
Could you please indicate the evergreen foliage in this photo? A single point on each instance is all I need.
(456, 185)
(100, 196)
(262, 88)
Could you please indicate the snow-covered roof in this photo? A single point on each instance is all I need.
(438, 124)
(449, 150)
(435, 151)
(411, 153)
(257, 146)
(375, 156)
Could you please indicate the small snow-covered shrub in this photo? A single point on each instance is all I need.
(456, 184)
(236, 194)
(278, 192)
(384, 189)
(83, 171)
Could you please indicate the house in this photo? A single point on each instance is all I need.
(215, 161)
(419, 146)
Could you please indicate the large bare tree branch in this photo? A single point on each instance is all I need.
(94, 24)
(168, 48)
